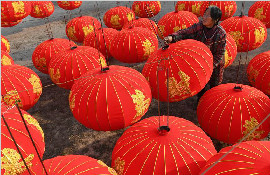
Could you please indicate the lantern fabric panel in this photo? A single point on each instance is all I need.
(110, 100)
(10, 23)
(6, 59)
(258, 72)
(143, 22)
(182, 6)
(228, 114)
(230, 50)
(190, 65)
(5, 46)
(142, 150)
(69, 5)
(41, 9)
(14, 10)
(261, 11)
(146, 9)
(228, 8)
(20, 84)
(198, 7)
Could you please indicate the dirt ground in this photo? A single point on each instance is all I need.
(63, 134)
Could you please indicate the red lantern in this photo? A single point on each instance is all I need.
(43, 52)
(69, 5)
(182, 6)
(10, 24)
(78, 28)
(228, 8)
(133, 45)
(190, 65)
(248, 33)
(6, 59)
(41, 9)
(174, 21)
(146, 9)
(11, 161)
(12, 11)
(20, 84)
(5, 46)
(198, 7)
(248, 158)
(110, 100)
(261, 11)
(143, 149)
(116, 17)
(143, 22)
(230, 50)
(96, 40)
(258, 72)
(228, 112)
(70, 64)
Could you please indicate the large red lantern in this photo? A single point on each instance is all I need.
(248, 33)
(146, 9)
(5, 46)
(69, 64)
(11, 161)
(143, 22)
(69, 5)
(110, 99)
(144, 149)
(189, 64)
(228, 112)
(174, 21)
(43, 52)
(78, 28)
(41, 9)
(10, 23)
(12, 11)
(6, 59)
(133, 45)
(258, 72)
(228, 8)
(116, 17)
(20, 84)
(248, 158)
(101, 40)
(261, 11)
(230, 50)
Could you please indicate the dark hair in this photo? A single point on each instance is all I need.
(215, 13)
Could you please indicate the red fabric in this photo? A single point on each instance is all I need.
(143, 22)
(228, 8)
(258, 72)
(69, 5)
(146, 9)
(190, 68)
(96, 40)
(5, 46)
(78, 28)
(248, 158)
(142, 150)
(10, 157)
(110, 100)
(6, 59)
(41, 9)
(69, 64)
(116, 17)
(248, 33)
(198, 7)
(182, 6)
(261, 11)
(20, 83)
(10, 24)
(44, 51)
(228, 115)
(133, 45)
(12, 11)
(231, 50)
(174, 21)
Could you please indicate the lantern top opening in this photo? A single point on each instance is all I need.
(73, 47)
(238, 88)
(163, 130)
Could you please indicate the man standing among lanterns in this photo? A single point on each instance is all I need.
(212, 35)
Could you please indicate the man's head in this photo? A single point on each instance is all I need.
(212, 16)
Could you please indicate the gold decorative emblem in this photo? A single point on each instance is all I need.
(137, 9)
(35, 81)
(55, 76)
(115, 20)
(253, 74)
(18, 7)
(184, 26)
(71, 31)
(11, 97)
(71, 102)
(228, 10)
(29, 119)
(87, 29)
(11, 162)
(159, 5)
(227, 58)
(181, 7)
(112, 171)
(196, 8)
(65, 3)
(5, 60)
(147, 48)
(176, 28)
(49, 7)
(103, 62)
(259, 14)
(77, 3)
(41, 63)
(259, 35)
(237, 35)
(141, 104)
(250, 125)
(119, 165)
(130, 16)
(6, 44)
(37, 10)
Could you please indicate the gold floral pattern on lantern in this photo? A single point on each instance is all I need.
(49, 7)
(119, 165)
(196, 9)
(237, 35)
(137, 9)
(71, 31)
(252, 75)
(115, 20)
(29, 119)
(227, 58)
(41, 63)
(65, 3)
(18, 7)
(12, 97)
(35, 81)
(147, 48)
(37, 10)
(12, 163)
(259, 14)
(228, 10)
(181, 7)
(87, 29)
(130, 16)
(5, 60)
(55, 76)
(249, 126)
(259, 35)
(141, 104)
(176, 28)
(152, 9)
(6, 44)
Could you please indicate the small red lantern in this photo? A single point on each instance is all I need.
(5, 46)
(182, 6)
(116, 17)
(41, 9)
(258, 72)
(230, 50)
(133, 45)
(174, 21)
(12, 11)
(248, 33)
(96, 40)
(143, 22)
(110, 99)
(43, 52)
(190, 65)
(146, 149)
(228, 8)
(69, 5)
(261, 11)
(228, 112)
(11, 161)
(6, 59)
(198, 7)
(146, 9)
(10, 24)
(20, 84)
(248, 158)
(78, 28)
(70, 64)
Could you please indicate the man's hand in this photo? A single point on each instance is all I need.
(167, 40)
